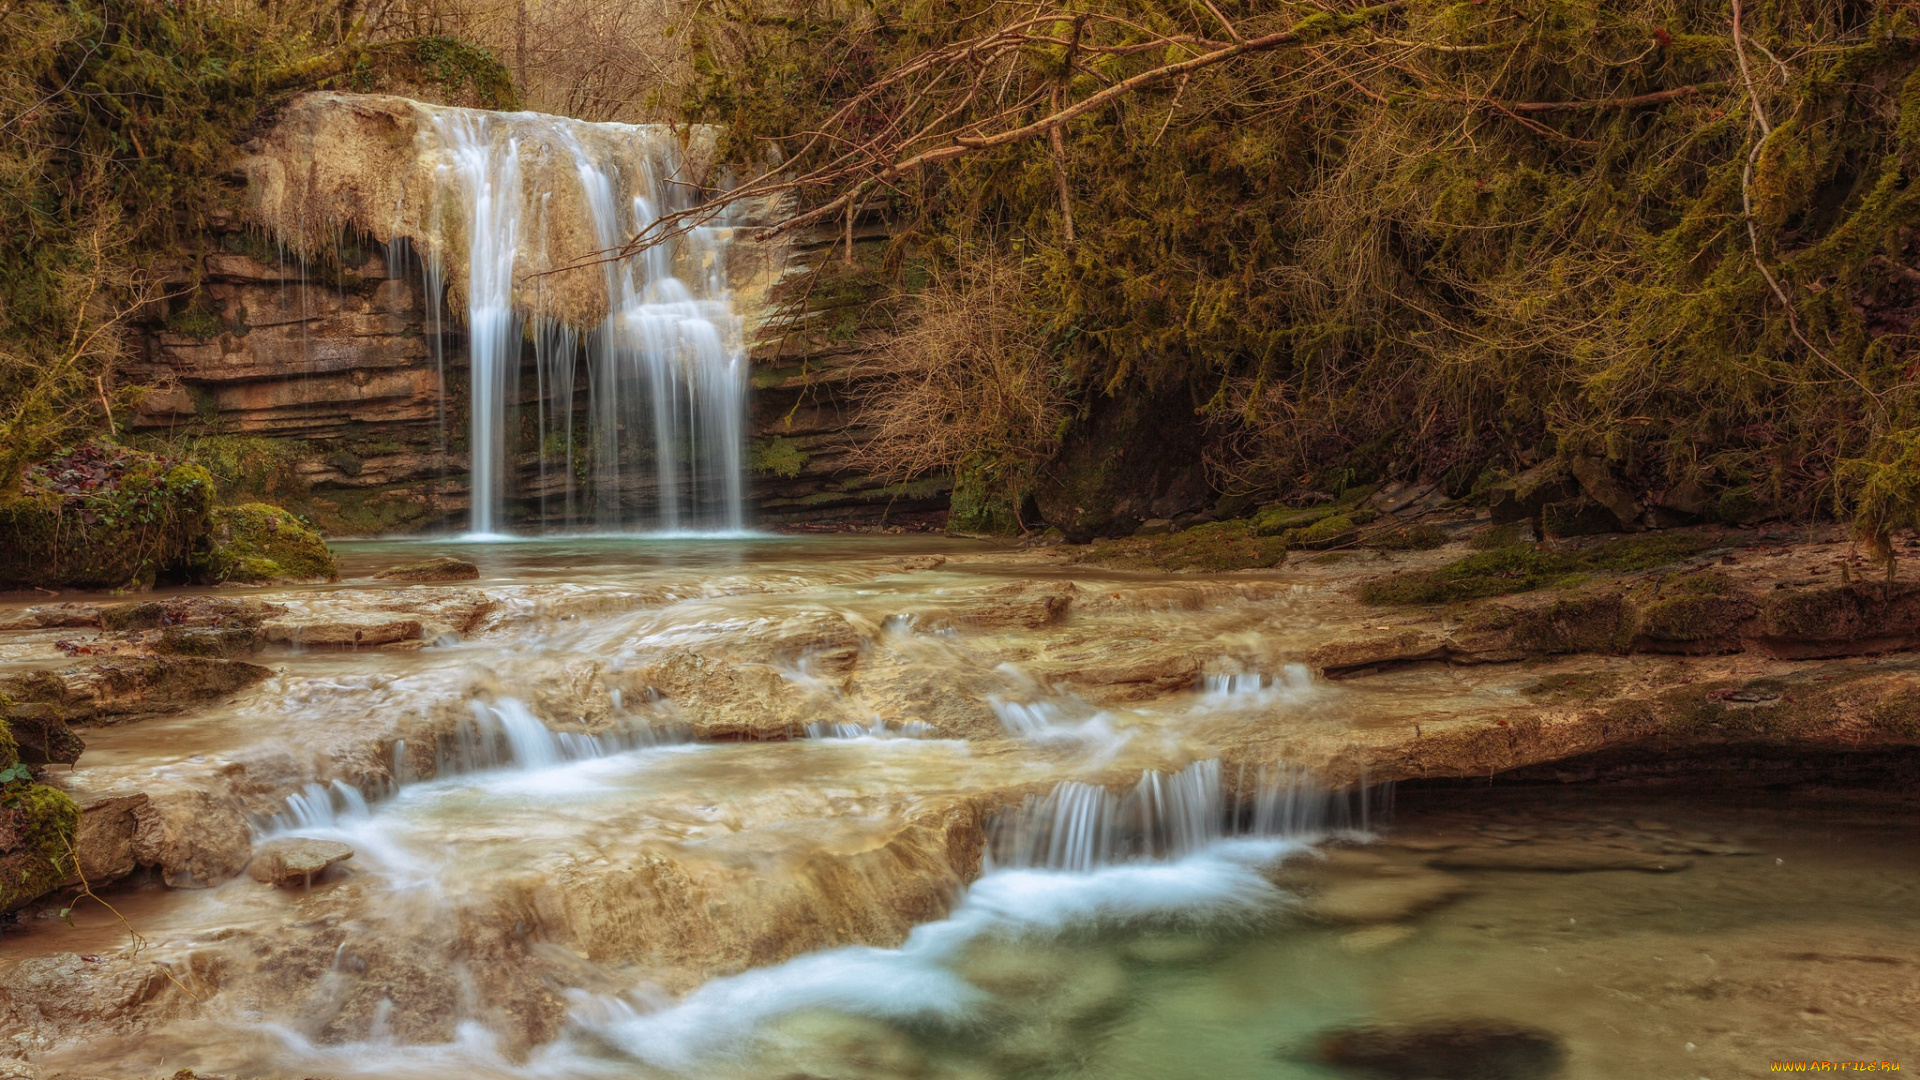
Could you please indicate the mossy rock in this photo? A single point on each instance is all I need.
(1700, 611)
(1274, 520)
(258, 544)
(1408, 538)
(104, 517)
(1330, 531)
(37, 825)
(1219, 546)
(1526, 567)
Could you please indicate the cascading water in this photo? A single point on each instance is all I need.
(664, 362)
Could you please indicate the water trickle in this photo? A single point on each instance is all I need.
(658, 441)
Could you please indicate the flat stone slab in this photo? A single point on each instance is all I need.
(296, 861)
(348, 631)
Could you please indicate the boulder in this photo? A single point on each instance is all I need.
(1598, 482)
(296, 861)
(1526, 496)
(438, 568)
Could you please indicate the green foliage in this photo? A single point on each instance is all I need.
(1365, 261)
(1525, 567)
(777, 455)
(259, 544)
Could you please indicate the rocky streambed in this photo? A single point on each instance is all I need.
(639, 807)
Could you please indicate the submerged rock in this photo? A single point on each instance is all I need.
(1453, 1050)
(438, 568)
(1383, 899)
(296, 860)
(1558, 859)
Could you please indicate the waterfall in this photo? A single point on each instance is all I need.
(664, 363)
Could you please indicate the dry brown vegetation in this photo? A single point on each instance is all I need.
(969, 380)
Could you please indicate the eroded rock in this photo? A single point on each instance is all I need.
(296, 861)
(195, 838)
(104, 839)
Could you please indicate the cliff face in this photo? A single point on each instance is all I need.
(324, 379)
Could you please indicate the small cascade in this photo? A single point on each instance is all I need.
(1080, 827)
(500, 735)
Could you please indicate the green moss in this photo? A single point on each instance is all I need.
(1329, 531)
(1408, 538)
(1219, 546)
(1524, 567)
(777, 455)
(1274, 520)
(44, 819)
(196, 322)
(260, 544)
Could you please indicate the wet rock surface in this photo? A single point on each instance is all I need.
(296, 861)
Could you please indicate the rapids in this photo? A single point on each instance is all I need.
(877, 808)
